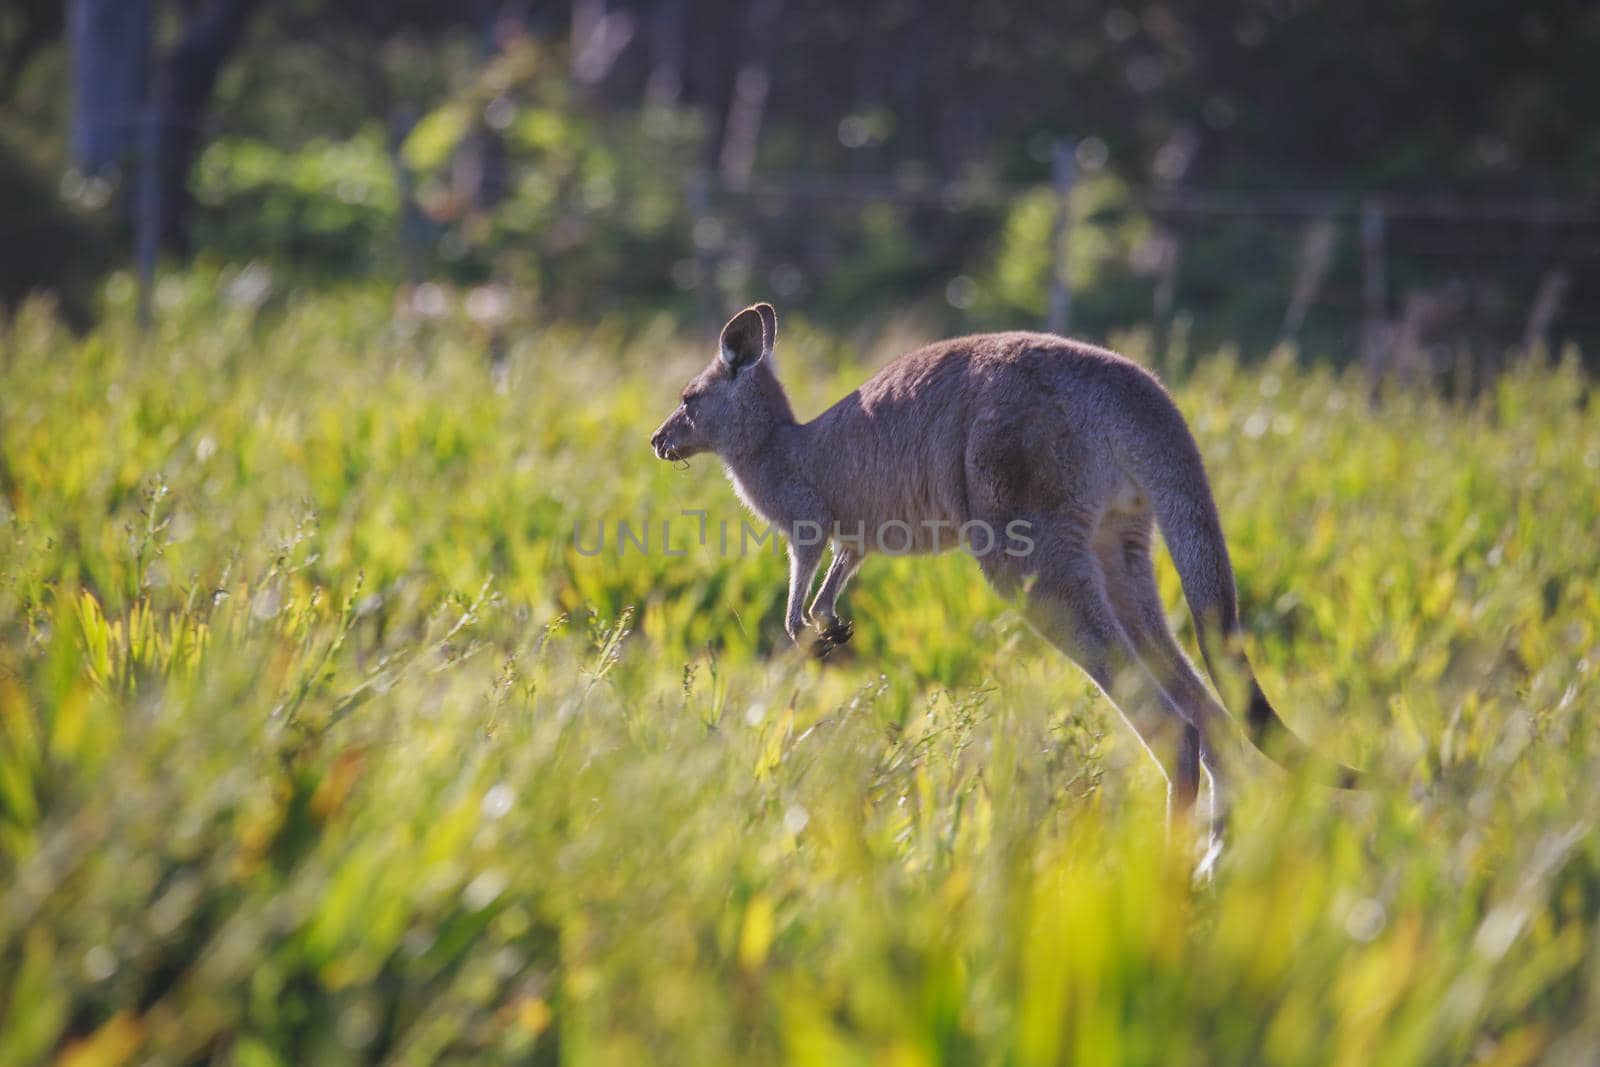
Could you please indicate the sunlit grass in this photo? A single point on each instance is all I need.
(321, 740)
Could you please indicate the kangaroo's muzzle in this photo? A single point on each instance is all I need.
(661, 445)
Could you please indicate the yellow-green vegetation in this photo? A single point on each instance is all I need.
(321, 741)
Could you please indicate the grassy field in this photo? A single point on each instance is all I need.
(322, 742)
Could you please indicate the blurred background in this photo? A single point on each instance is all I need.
(1407, 184)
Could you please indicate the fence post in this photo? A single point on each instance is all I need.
(1374, 288)
(1063, 171)
(1546, 306)
(1165, 293)
(1316, 254)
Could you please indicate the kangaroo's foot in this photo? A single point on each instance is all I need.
(833, 632)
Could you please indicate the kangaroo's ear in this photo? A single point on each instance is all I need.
(744, 340)
(769, 327)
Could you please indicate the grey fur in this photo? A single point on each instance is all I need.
(1083, 445)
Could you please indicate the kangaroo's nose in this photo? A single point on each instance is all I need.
(655, 443)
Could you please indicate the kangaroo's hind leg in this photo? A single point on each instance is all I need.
(1115, 536)
(1064, 596)
(1123, 546)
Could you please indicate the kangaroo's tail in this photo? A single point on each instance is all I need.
(1164, 457)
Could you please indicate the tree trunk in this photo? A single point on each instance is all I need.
(668, 47)
(110, 46)
(181, 95)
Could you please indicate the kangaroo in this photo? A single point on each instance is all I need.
(1067, 455)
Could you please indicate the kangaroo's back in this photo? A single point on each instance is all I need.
(962, 428)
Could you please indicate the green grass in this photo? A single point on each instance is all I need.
(321, 742)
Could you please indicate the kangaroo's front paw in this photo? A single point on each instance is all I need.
(832, 633)
(838, 631)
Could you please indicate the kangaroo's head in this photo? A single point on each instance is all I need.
(732, 407)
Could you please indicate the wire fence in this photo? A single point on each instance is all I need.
(1405, 271)
(1398, 269)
